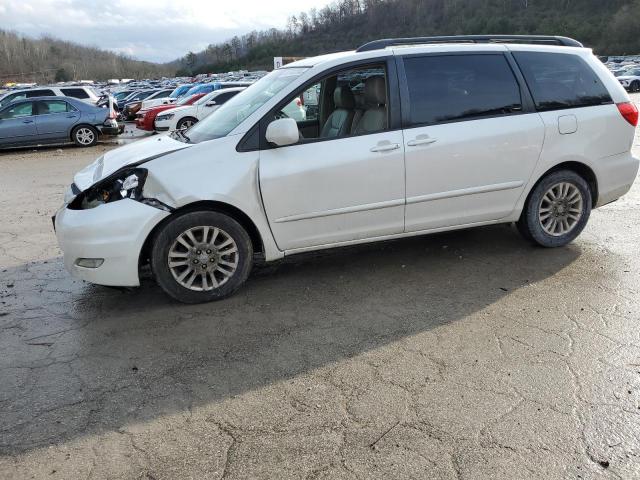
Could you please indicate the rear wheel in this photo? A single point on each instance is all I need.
(185, 123)
(201, 256)
(84, 136)
(557, 209)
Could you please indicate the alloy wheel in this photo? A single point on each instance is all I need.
(560, 209)
(85, 136)
(203, 258)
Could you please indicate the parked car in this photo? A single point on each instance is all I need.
(449, 136)
(54, 120)
(83, 93)
(135, 96)
(122, 94)
(186, 116)
(158, 98)
(145, 119)
(132, 107)
(181, 91)
(630, 79)
(213, 86)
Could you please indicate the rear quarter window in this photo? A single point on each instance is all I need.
(40, 93)
(75, 93)
(453, 88)
(561, 80)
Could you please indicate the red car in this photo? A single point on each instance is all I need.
(145, 118)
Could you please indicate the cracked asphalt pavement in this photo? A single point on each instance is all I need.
(466, 355)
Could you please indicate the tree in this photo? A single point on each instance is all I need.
(62, 75)
(190, 59)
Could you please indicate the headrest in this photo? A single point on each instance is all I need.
(375, 92)
(343, 98)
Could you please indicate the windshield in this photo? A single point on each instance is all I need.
(182, 89)
(193, 90)
(238, 108)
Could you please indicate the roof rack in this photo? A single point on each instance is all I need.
(531, 39)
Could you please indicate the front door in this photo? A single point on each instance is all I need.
(471, 142)
(345, 183)
(17, 124)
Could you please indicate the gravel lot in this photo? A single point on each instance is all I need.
(467, 355)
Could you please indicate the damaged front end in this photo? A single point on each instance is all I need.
(125, 183)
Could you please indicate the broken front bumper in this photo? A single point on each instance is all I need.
(113, 232)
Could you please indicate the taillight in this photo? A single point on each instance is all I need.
(629, 111)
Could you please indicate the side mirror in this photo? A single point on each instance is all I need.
(282, 132)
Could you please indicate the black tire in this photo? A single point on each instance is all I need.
(167, 238)
(530, 223)
(186, 122)
(84, 136)
(635, 86)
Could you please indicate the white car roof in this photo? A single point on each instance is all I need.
(343, 57)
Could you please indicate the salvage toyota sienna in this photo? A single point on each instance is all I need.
(405, 137)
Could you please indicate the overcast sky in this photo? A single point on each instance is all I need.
(157, 30)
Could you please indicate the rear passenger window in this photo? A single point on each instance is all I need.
(47, 107)
(561, 80)
(75, 93)
(447, 88)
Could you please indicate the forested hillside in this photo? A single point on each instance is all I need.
(609, 26)
(47, 59)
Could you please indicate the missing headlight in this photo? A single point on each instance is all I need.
(122, 184)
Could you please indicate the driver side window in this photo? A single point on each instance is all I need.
(350, 102)
(17, 111)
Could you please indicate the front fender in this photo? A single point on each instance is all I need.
(213, 171)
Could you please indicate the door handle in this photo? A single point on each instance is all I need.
(385, 147)
(421, 141)
(71, 116)
(27, 121)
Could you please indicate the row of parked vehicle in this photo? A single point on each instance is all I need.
(626, 70)
(56, 115)
(64, 113)
(185, 110)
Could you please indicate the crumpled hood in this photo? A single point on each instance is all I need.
(129, 154)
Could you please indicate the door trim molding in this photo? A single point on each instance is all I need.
(342, 211)
(497, 187)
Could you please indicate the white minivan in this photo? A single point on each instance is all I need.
(408, 137)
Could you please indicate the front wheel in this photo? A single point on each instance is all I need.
(84, 136)
(186, 123)
(201, 256)
(557, 209)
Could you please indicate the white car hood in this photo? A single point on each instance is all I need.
(127, 155)
(626, 77)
